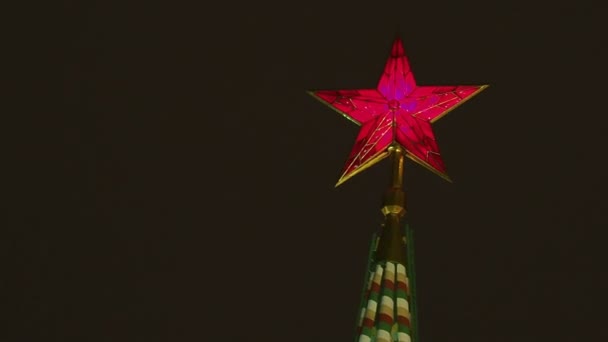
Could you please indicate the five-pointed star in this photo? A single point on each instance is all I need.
(397, 112)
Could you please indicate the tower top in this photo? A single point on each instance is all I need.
(398, 112)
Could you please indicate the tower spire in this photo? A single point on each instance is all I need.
(391, 246)
(395, 119)
(385, 313)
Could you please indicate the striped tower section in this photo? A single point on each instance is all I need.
(386, 314)
(403, 305)
(387, 304)
(368, 329)
(367, 285)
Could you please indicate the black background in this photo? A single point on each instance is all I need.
(176, 183)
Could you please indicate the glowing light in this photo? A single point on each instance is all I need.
(396, 102)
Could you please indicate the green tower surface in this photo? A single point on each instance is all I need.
(370, 333)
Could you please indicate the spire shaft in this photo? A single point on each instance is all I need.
(391, 246)
(388, 316)
(397, 159)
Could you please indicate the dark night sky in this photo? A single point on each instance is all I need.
(180, 187)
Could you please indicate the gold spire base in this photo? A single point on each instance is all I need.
(391, 246)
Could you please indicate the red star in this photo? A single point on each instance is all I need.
(397, 112)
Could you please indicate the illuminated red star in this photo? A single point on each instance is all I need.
(397, 112)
